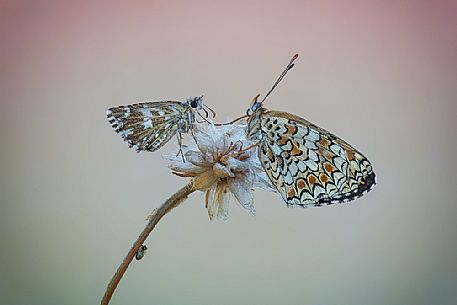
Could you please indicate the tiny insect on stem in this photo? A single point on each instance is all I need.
(140, 253)
(154, 218)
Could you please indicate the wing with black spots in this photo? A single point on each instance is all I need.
(308, 165)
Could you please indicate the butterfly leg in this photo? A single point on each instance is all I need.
(179, 135)
(192, 133)
(240, 152)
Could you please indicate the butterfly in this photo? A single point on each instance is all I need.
(308, 165)
(147, 126)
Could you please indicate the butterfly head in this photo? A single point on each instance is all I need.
(254, 117)
(254, 106)
(196, 103)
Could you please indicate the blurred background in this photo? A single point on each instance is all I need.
(74, 197)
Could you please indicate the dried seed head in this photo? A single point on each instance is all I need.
(223, 162)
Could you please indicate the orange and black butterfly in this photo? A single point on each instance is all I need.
(308, 165)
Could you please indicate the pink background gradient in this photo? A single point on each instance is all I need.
(382, 75)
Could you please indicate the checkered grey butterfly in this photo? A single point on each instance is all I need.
(147, 126)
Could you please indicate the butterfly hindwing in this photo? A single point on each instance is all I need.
(308, 165)
(147, 126)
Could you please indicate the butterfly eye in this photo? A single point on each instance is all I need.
(193, 104)
(255, 106)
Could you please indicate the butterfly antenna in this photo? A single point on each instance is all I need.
(289, 66)
(231, 122)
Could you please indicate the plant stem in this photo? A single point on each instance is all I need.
(154, 218)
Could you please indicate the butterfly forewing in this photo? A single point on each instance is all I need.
(147, 126)
(308, 165)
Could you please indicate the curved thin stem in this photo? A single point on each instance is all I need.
(154, 218)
